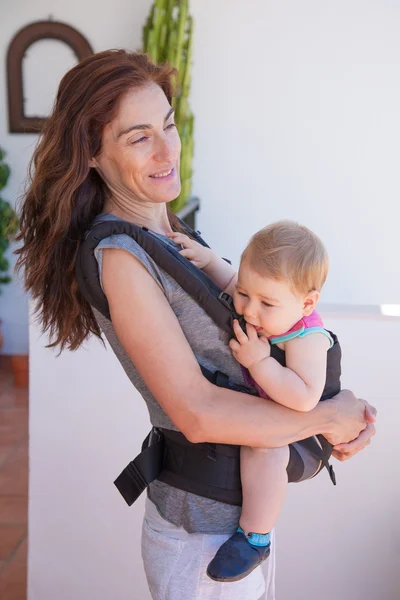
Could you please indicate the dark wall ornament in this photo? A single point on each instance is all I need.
(40, 30)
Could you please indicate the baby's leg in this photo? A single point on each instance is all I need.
(264, 481)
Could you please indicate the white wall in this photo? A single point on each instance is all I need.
(297, 116)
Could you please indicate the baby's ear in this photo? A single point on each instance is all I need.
(310, 302)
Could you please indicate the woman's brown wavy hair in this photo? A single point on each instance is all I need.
(64, 195)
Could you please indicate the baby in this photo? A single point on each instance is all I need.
(277, 288)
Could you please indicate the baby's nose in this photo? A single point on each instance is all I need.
(250, 310)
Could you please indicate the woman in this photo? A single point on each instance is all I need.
(111, 150)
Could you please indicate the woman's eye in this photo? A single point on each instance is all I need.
(171, 126)
(140, 140)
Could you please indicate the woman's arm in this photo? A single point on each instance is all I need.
(150, 332)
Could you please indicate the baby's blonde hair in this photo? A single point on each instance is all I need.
(288, 251)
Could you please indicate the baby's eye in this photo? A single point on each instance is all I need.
(266, 304)
(243, 294)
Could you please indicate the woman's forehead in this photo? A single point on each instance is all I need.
(142, 106)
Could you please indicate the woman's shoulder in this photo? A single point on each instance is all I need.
(122, 241)
(119, 240)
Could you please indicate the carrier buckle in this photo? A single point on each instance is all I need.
(155, 436)
(226, 300)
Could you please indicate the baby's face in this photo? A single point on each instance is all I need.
(268, 304)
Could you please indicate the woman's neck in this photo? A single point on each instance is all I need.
(152, 216)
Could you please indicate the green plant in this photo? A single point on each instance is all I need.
(8, 222)
(168, 36)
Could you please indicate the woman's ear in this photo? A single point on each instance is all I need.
(93, 164)
(310, 302)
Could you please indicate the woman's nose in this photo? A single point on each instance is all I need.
(165, 151)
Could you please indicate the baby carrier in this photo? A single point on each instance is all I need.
(209, 470)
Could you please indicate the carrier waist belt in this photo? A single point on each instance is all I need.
(208, 470)
(204, 469)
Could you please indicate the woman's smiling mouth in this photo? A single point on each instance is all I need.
(163, 174)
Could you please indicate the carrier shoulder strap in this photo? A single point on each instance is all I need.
(214, 301)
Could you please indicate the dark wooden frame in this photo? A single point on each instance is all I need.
(40, 30)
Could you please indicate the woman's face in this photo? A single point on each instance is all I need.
(140, 151)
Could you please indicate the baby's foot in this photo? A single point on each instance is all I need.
(239, 556)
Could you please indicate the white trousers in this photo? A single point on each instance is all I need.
(175, 563)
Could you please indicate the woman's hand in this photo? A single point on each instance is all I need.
(345, 451)
(349, 417)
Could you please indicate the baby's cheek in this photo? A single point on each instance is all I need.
(273, 325)
(237, 304)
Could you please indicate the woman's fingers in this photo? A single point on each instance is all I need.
(370, 411)
(348, 418)
(348, 450)
(340, 455)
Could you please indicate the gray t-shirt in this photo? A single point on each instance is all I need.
(210, 346)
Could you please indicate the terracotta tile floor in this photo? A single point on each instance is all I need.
(13, 486)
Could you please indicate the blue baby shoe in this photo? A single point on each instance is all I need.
(237, 558)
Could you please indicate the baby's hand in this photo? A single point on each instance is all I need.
(199, 255)
(249, 349)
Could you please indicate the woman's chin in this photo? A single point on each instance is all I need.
(167, 195)
(166, 189)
